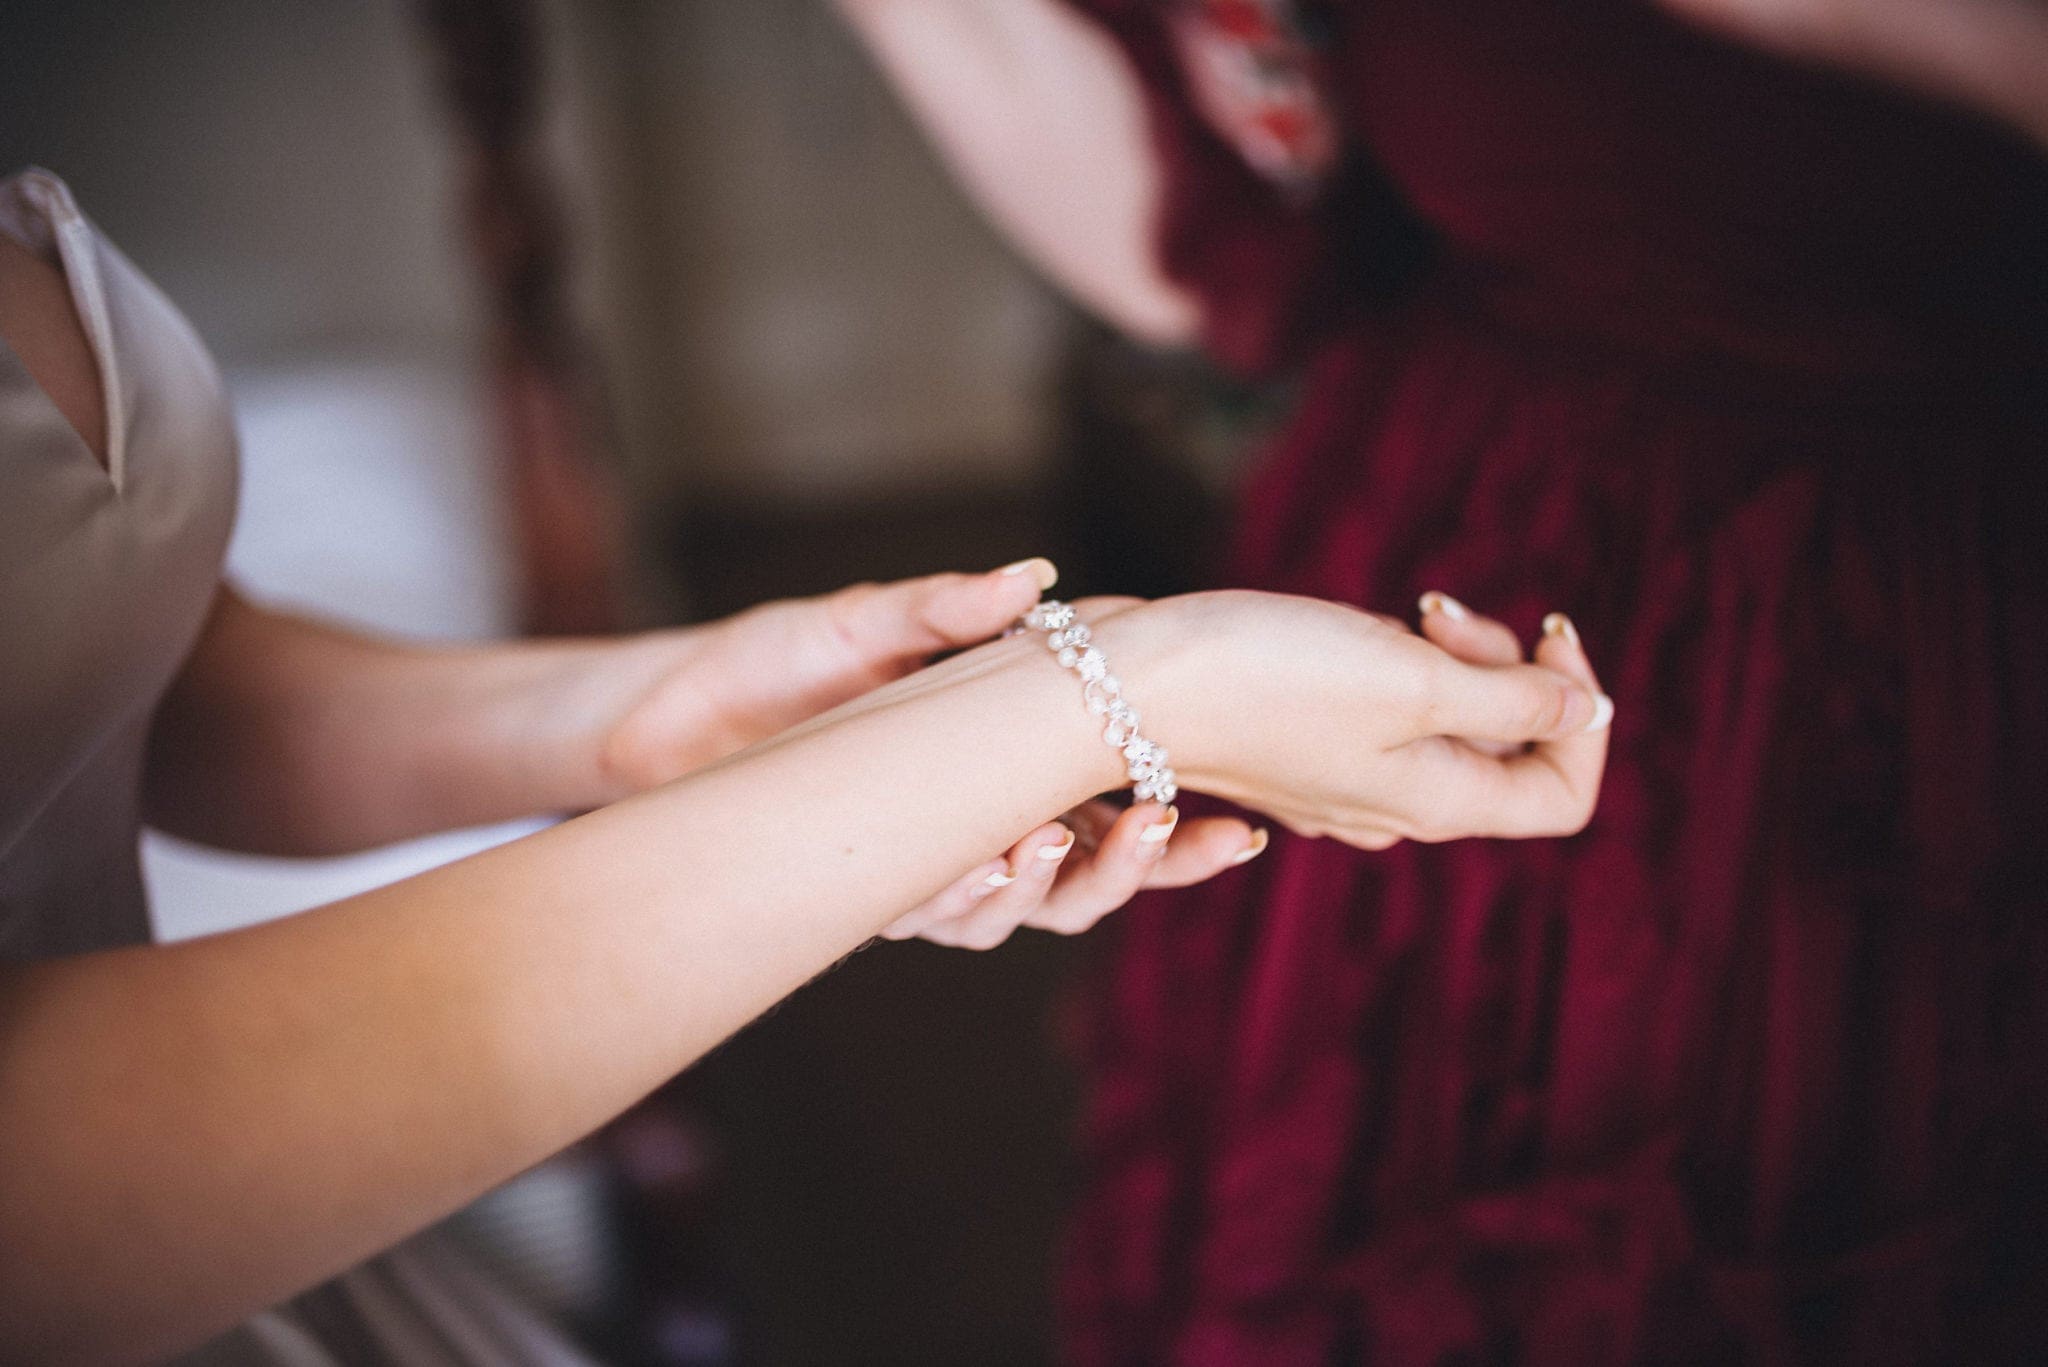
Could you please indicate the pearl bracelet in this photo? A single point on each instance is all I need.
(1144, 760)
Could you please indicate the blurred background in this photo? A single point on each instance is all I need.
(579, 316)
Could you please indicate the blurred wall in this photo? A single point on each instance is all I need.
(791, 301)
(276, 165)
(797, 305)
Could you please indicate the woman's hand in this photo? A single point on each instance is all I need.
(671, 701)
(1067, 875)
(719, 688)
(1337, 722)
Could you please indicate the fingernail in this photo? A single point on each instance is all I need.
(1041, 570)
(1447, 605)
(1001, 878)
(1152, 840)
(1560, 626)
(1603, 713)
(1052, 854)
(1260, 839)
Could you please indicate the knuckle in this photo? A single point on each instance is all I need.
(845, 607)
(1081, 920)
(1426, 690)
(1546, 708)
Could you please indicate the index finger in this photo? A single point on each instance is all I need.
(917, 617)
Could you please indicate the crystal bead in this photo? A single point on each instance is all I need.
(1093, 664)
(1124, 713)
(1116, 733)
(1076, 635)
(1110, 684)
(1162, 791)
(1145, 791)
(1057, 615)
(1142, 750)
(1097, 700)
(1069, 657)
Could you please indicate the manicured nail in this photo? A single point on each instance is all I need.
(1052, 854)
(1560, 626)
(1042, 571)
(1447, 605)
(1152, 840)
(1603, 713)
(1001, 878)
(1260, 839)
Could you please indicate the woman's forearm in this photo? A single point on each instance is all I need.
(288, 736)
(193, 1131)
(1042, 120)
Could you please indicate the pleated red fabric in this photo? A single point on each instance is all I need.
(1746, 367)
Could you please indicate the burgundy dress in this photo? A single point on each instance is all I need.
(1745, 366)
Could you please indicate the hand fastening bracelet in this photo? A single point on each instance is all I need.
(1102, 693)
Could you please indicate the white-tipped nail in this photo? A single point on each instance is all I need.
(1158, 831)
(1560, 626)
(1260, 839)
(1447, 605)
(1042, 571)
(1603, 713)
(1055, 853)
(1001, 878)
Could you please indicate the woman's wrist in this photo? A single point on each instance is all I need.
(548, 710)
(1168, 671)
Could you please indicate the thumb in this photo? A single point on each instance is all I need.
(918, 617)
(1515, 703)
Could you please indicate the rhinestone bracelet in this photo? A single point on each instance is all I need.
(1144, 760)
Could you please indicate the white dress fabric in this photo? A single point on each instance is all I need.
(106, 574)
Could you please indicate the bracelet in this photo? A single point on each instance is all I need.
(1102, 692)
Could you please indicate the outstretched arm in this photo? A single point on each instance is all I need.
(1041, 119)
(190, 1132)
(284, 735)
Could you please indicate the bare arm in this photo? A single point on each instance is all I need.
(1041, 119)
(194, 1131)
(284, 735)
(190, 1132)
